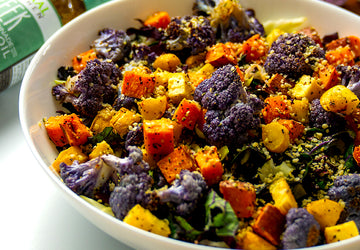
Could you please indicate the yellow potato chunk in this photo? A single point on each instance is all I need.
(102, 119)
(168, 62)
(300, 110)
(179, 87)
(339, 99)
(307, 87)
(100, 149)
(341, 232)
(142, 218)
(252, 241)
(282, 195)
(275, 137)
(68, 156)
(153, 108)
(123, 119)
(325, 211)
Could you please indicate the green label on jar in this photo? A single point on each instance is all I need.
(89, 4)
(24, 26)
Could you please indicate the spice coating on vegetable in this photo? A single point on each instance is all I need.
(206, 129)
(293, 55)
(93, 87)
(301, 229)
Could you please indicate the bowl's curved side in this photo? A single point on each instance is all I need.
(37, 103)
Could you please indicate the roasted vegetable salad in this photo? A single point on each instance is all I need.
(207, 129)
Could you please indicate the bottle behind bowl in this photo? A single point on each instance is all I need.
(25, 25)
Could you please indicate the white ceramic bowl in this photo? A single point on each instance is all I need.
(36, 101)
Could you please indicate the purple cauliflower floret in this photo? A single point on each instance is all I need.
(293, 55)
(86, 178)
(134, 183)
(232, 126)
(301, 229)
(89, 177)
(91, 88)
(319, 116)
(133, 164)
(231, 21)
(189, 32)
(347, 189)
(132, 190)
(123, 101)
(135, 137)
(350, 77)
(184, 193)
(112, 44)
(221, 90)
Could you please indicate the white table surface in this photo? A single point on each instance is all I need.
(33, 212)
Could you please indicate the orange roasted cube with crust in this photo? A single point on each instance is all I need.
(296, 129)
(276, 107)
(270, 224)
(240, 195)
(158, 136)
(340, 55)
(159, 19)
(54, 131)
(79, 62)
(172, 164)
(328, 75)
(67, 129)
(255, 48)
(221, 54)
(138, 83)
(75, 131)
(210, 165)
(187, 113)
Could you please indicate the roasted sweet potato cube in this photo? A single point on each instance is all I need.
(138, 83)
(159, 19)
(221, 54)
(278, 83)
(328, 75)
(54, 131)
(270, 224)
(79, 62)
(255, 48)
(210, 165)
(158, 136)
(187, 113)
(172, 164)
(276, 107)
(75, 131)
(240, 195)
(340, 55)
(296, 129)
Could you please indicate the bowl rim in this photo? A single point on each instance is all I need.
(75, 199)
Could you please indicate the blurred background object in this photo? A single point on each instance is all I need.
(36, 22)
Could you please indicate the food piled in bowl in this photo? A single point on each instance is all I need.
(214, 129)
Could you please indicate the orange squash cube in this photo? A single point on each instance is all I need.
(158, 136)
(210, 165)
(187, 113)
(172, 164)
(240, 195)
(138, 83)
